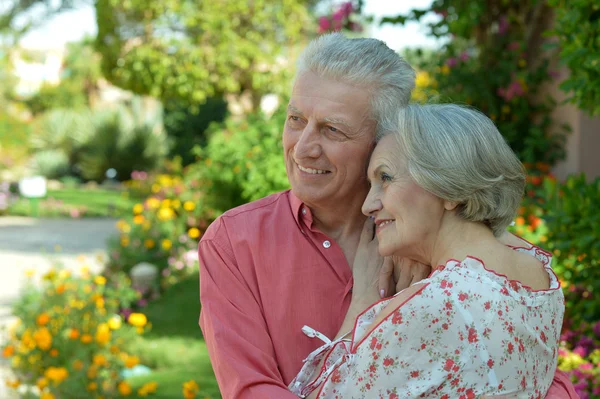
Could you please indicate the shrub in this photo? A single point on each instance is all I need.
(573, 222)
(52, 164)
(69, 340)
(124, 142)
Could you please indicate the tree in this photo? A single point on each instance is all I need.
(192, 50)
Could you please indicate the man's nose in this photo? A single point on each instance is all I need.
(308, 145)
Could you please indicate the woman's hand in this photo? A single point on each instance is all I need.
(400, 273)
(366, 269)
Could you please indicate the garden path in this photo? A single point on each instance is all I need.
(36, 245)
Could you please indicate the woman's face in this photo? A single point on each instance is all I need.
(407, 217)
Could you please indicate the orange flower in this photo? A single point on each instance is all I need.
(190, 389)
(54, 352)
(8, 351)
(124, 388)
(74, 333)
(43, 338)
(61, 289)
(42, 319)
(520, 221)
(86, 338)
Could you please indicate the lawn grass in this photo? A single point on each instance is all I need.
(59, 203)
(174, 347)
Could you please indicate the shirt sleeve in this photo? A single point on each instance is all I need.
(234, 329)
(562, 387)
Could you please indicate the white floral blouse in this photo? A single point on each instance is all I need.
(466, 332)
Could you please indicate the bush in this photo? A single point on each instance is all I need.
(69, 340)
(52, 164)
(123, 142)
(186, 125)
(242, 162)
(573, 222)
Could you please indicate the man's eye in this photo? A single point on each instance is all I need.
(294, 118)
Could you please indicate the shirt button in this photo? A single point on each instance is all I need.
(326, 244)
(304, 211)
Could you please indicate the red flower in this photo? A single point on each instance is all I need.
(414, 374)
(490, 363)
(397, 318)
(472, 335)
(449, 364)
(462, 296)
(388, 361)
(511, 347)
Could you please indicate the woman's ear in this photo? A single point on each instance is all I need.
(450, 205)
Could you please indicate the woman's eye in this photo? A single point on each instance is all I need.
(385, 177)
(333, 129)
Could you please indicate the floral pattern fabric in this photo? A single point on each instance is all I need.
(466, 332)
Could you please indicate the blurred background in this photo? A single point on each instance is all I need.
(127, 126)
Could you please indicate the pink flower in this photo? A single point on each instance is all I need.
(580, 350)
(347, 8)
(338, 15)
(74, 212)
(451, 62)
(324, 24)
(514, 46)
(503, 25)
(464, 56)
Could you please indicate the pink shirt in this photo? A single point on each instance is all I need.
(265, 273)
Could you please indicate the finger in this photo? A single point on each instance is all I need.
(405, 277)
(367, 232)
(419, 272)
(385, 276)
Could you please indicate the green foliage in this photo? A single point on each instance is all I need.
(191, 51)
(52, 164)
(577, 27)
(31, 13)
(123, 142)
(242, 162)
(571, 213)
(14, 140)
(186, 126)
(503, 37)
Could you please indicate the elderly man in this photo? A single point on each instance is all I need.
(272, 266)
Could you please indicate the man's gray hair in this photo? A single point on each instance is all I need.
(458, 154)
(367, 63)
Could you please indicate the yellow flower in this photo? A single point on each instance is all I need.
(42, 319)
(41, 383)
(152, 203)
(54, 352)
(56, 374)
(29, 273)
(166, 244)
(445, 69)
(138, 219)
(123, 226)
(8, 351)
(194, 232)
(100, 280)
(124, 388)
(43, 338)
(137, 319)
(131, 361)
(100, 360)
(85, 271)
(148, 388)
(190, 389)
(146, 226)
(165, 214)
(114, 322)
(92, 386)
(92, 372)
(47, 395)
(14, 384)
(100, 303)
(103, 334)
(124, 241)
(423, 79)
(50, 276)
(189, 206)
(149, 243)
(138, 208)
(64, 274)
(86, 338)
(155, 188)
(77, 365)
(176, 204)
(166, 203)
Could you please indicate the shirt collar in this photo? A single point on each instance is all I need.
(301, 212)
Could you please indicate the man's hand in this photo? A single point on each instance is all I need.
(399, 273)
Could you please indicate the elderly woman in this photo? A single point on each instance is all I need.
(487, 320)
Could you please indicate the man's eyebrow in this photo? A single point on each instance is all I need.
(338, 122)
(294, 109)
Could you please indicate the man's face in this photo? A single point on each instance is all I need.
(327, 140)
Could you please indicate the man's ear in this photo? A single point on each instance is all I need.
(450, 205)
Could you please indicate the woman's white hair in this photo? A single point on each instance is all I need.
(367, 63)
(458, 154)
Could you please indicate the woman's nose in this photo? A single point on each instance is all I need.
(372, 203)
